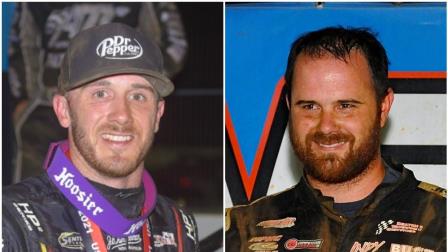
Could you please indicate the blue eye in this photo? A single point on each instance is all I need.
(100, 94)
(138, 97)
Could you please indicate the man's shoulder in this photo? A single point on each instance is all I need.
(168, 217)
(275, 207)
(164, 203)
(431, 189)
(422, 196)
(167, 210)
(421, 188)
(279, 199)
(30, 189)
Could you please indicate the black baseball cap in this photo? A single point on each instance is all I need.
(112, 49)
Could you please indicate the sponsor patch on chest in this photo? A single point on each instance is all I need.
(279, 223)
(293, 244)
(367, 246)
(263, 246)
(166, 239)
(398, 226)
(407, 248)
(71, 240)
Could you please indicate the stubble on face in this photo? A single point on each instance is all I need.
(330, 168)
(116, 166)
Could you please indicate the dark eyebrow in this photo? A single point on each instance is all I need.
(133, 85)
(301, 102)
(350, 101)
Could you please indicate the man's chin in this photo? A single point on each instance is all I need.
(333, 171)
(115, 170)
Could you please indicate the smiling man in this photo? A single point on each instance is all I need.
(350, 198)
(96, 194)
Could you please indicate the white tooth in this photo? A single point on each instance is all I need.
(117, 138)
(331, 145)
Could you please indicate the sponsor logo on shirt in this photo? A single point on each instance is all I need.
(28, 216)
(263, 246)
(366, 246)
(136, 226)
(189, 226)
(392, 226)
(132, 242)
(405, 248)
(71, 240)
(65, 179)
(293, 244)
(433, 188)
(266, 238)
(166, 239)
(119, 47)
(228, 219)
(280, 223)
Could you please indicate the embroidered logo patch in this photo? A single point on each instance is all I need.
(124, 243)
(392, 226)
(119, 47)
(433, 188)
(272, 238)
(402, 247)
(71, 240)
(366, 246)
(27, 214)
(165, 239)
(293, 244)
(263, 246)
(189, 226)
(280, 223)
(383, 226)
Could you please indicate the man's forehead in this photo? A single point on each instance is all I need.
(129, 80)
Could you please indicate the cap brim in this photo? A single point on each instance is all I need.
(161, 83)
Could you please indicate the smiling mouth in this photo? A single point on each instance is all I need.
(117, 138)
(331, 146)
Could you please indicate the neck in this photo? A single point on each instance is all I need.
(132, 180)
(355, 189)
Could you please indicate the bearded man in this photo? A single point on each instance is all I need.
(96, 194)
(350, 197)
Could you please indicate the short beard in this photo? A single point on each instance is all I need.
(116, 167)
(330, 168)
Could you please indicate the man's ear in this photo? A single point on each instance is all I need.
(61, 109)
(386, 105)
(160, 111)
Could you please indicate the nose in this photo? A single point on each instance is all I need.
(327, 122)
(120, 111)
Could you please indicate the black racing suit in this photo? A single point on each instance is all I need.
(37, 217)
(407, 215)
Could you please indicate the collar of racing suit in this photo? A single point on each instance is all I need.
(128, 202)
(372, 201)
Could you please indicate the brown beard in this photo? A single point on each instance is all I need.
(117, 166)
(331, 168)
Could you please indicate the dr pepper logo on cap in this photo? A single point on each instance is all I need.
(119, 47)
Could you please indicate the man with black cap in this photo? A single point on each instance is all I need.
(96, 194)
